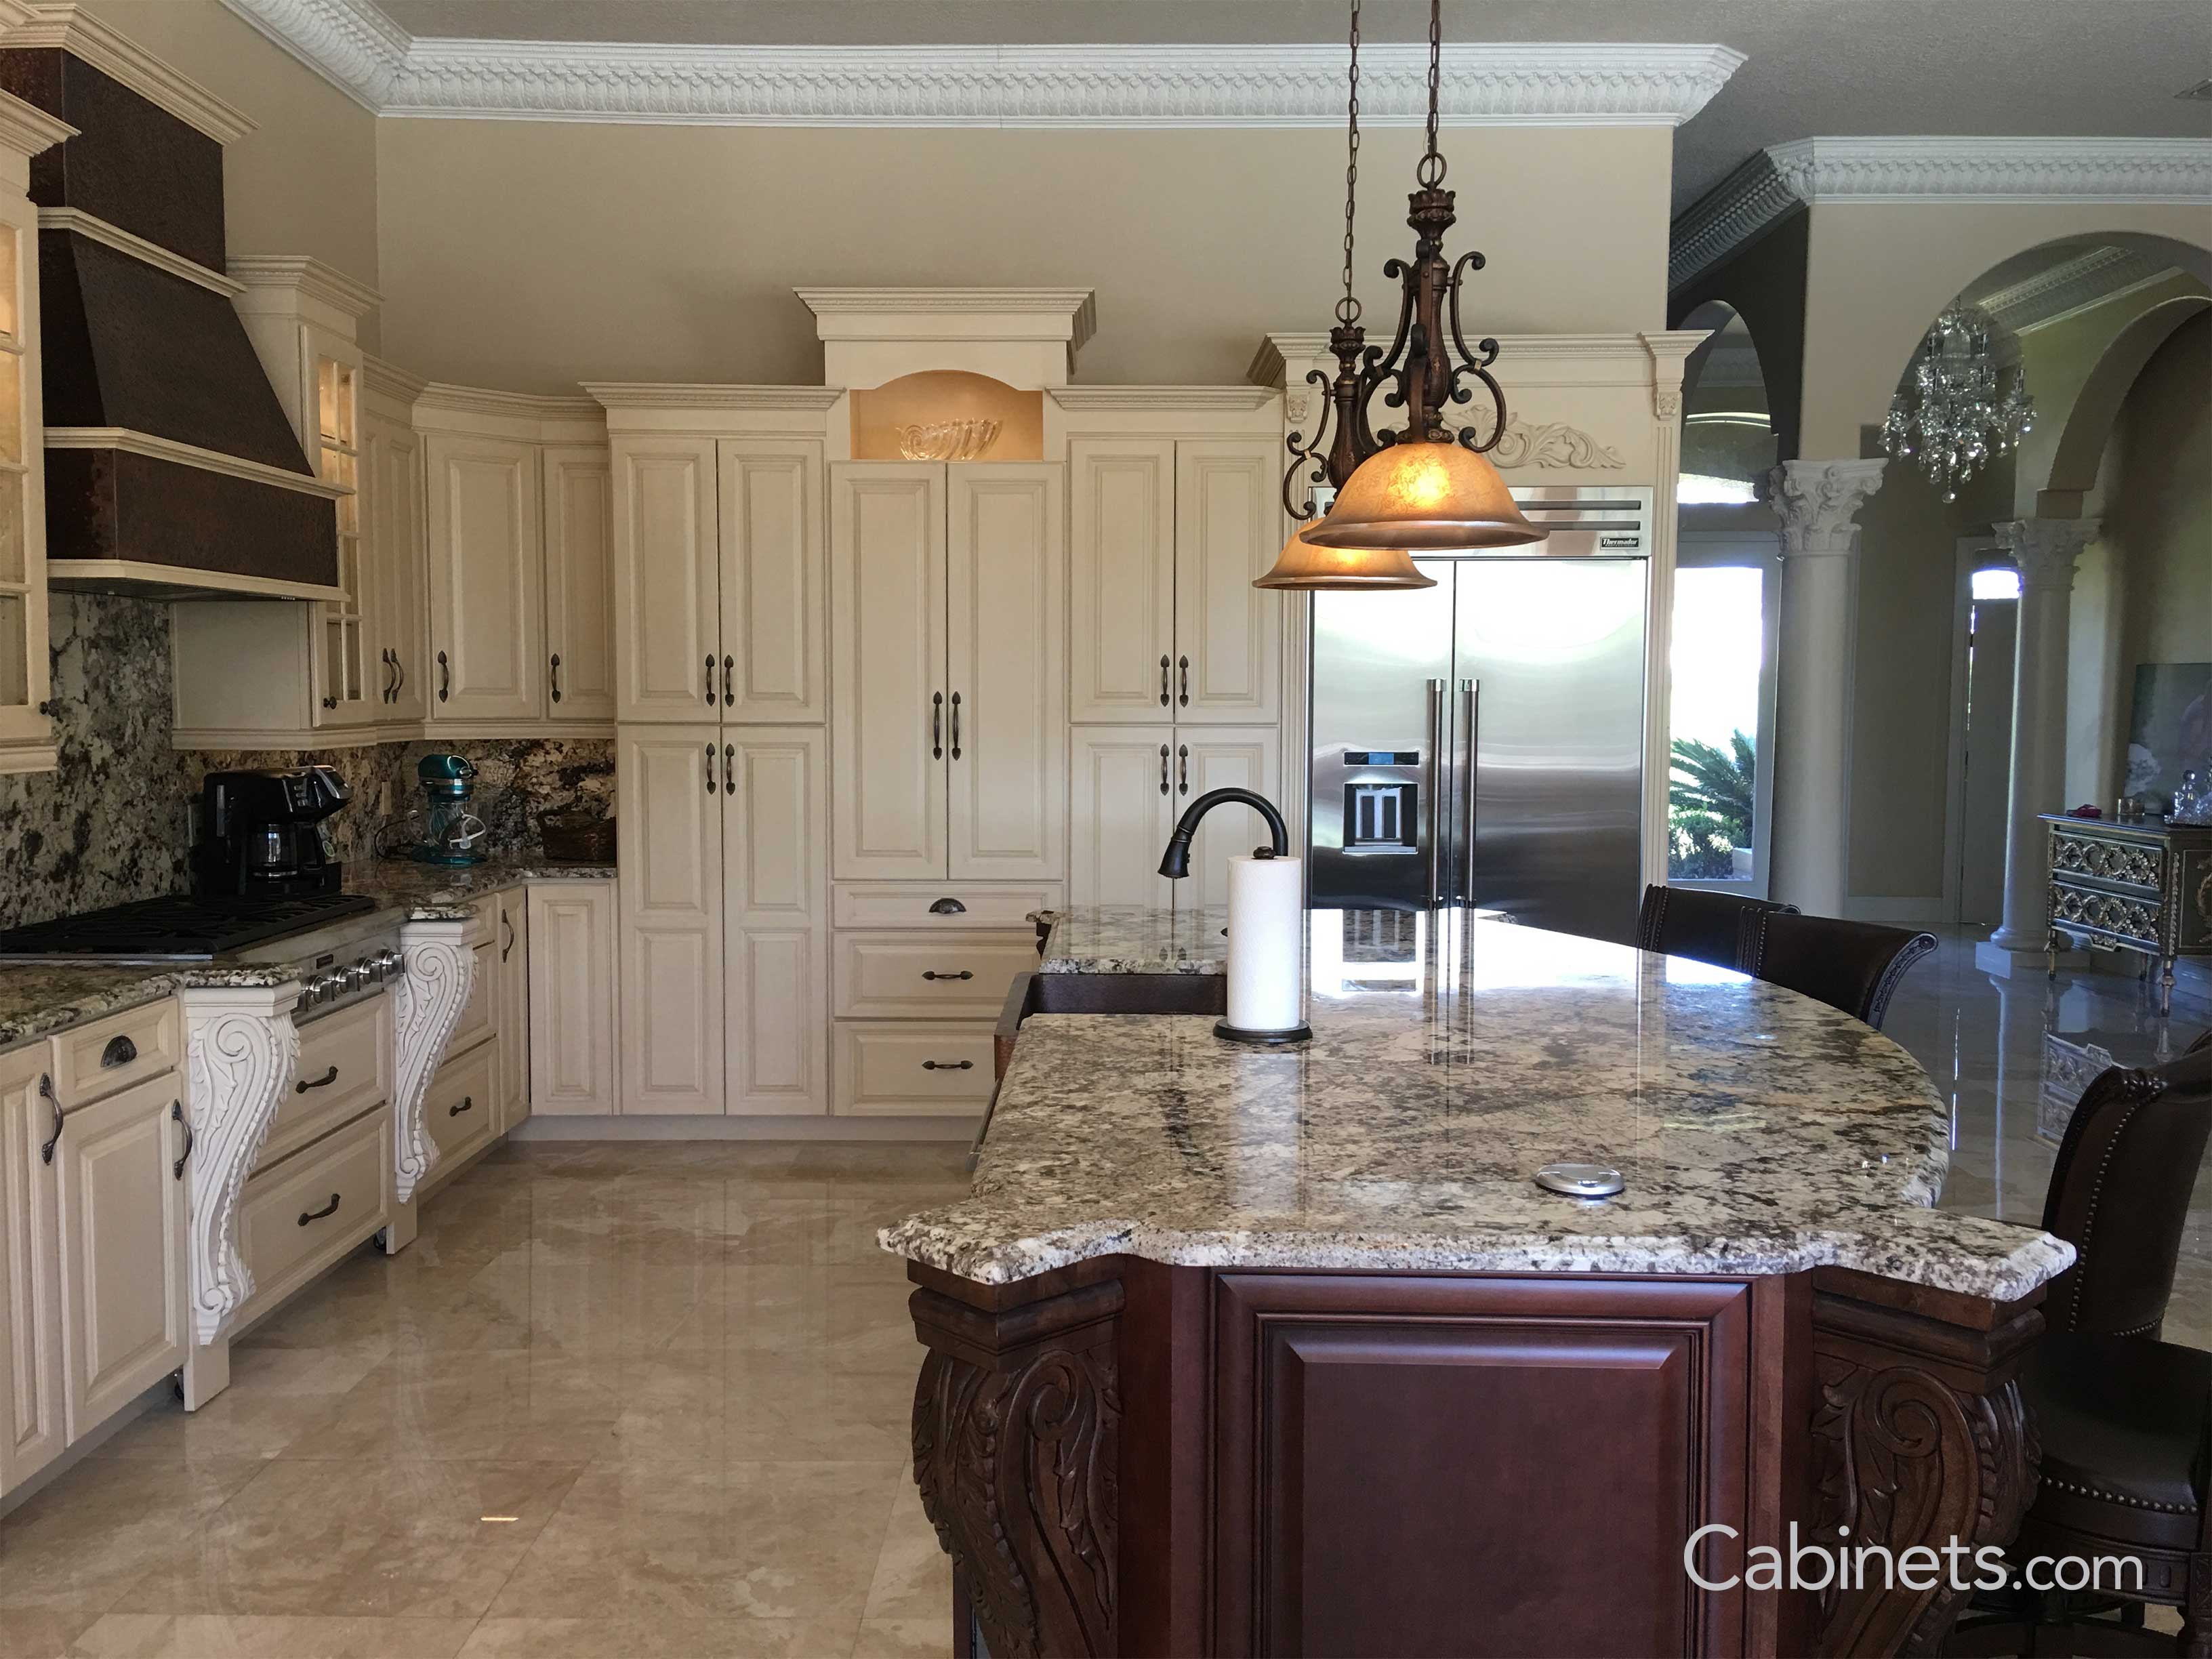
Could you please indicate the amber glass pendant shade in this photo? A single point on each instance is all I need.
(1424, 498)
(1302, 567)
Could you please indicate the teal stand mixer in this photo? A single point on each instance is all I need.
(452, 834)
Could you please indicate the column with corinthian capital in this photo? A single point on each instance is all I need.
(2045, 550)
(1818, 503)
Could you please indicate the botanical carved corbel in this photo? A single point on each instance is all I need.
(1016, 1421)
(241, 1050)
(427, 1003)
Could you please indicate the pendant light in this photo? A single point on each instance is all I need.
(1424, 489)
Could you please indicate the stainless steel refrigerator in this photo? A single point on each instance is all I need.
(1481, 742)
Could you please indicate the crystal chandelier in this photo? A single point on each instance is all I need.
(1957, 408)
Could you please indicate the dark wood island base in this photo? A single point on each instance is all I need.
(1128, 1458)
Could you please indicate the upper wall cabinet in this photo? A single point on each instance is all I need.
(578, 520)
(26, 743)
(1168, 535)
(718, 580)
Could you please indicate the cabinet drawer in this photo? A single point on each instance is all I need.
(305, 1213)
(907, 904)
(479, 1015)
(345, 1067)
(903, 975)
(910, 1071)
(462, 1111)
(93, 1061)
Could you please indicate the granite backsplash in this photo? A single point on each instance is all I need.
(114, 822)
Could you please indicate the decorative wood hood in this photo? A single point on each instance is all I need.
(172, 467)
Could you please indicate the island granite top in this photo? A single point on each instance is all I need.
(1137, 938)
(1759, 1131)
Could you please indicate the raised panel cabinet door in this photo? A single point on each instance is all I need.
(775, 820)
(1006, 673)
(1121, 577)
(893, 722)
(1229, 528)
(668, 904)
(571, 940)
(1121, 810)
(774, 581)
(121, 1206)
(398, 568)
(513, 942)
(668, 643)
(33, 1427)
(580, 584)
(487, 608)
(1223, 757)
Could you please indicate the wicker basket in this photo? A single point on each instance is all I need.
(577, 838)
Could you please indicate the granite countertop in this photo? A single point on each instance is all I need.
(36, 1001)
(1137, 938)
(1759, 1131)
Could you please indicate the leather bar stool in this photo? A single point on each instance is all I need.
(1851, 965)
(1696, 922)
(2126, 1420)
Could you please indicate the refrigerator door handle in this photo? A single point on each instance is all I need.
(1433, 773)
(1472, 691)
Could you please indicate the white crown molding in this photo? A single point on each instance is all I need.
(60, 24)
(1069, 314)
(1208, 399)
(443, 407)
(657, 394)
(1819, 171)
(94, 229)
(26, 129)
(307, 276)
(380, 379)
(356, 45)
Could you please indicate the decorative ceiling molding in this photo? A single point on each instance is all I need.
(59, 24)
(356, 45)
(1784, 176)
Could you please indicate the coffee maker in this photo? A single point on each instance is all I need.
(262, 832)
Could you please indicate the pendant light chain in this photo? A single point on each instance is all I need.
(1430, 173)
(1348, 308)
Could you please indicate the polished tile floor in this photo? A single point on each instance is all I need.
(653, 1400)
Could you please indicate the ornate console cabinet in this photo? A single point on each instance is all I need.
(2144, 887)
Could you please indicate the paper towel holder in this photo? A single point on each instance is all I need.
(1301, 1032)
(1174, 864)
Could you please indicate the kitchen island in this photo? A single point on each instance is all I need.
(1249, 1351)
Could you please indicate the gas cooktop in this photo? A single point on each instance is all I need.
(182, 927)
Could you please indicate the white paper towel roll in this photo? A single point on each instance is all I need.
(1266, 925)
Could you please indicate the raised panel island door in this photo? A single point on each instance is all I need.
(487, 607)
(1121, 560)
(571, 940)
(32, 1427)
(1007, 735)
(668, 644)
(1120, 811)
(893, 724)
(399, 549)
(774, 581)
(669, 791)
(122, 1210)
(579, 587)
(1229, 528)
(776, 884)
(1225, 757)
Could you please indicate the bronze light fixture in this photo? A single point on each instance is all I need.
(1420, 487)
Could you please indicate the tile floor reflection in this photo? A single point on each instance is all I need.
(653, 1400)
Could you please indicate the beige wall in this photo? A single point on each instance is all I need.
(304, 181)
(530, 255)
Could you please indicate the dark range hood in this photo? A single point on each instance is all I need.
(172, 468)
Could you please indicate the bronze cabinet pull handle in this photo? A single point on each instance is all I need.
(322, 1082)
(399, 671)
(468, 1104)
(948, 1065)
(445, 677)
(937, 725)
(330, 1208)
(1163, 769)
(46, 1088)
(931, 973)
(1163, 682)
(1184, 668)
(120, 1051)
(729, 768)
(710, 681)
(557, 676)
(955, 726)
(177, 1116)
(729, 683)
(1182, 765)
(507, 922)
(710, 768)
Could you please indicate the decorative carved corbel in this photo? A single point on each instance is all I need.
(1016, 1421)
(427, 1003)
(241, 1050)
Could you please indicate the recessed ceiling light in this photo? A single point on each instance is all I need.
(2201, 93)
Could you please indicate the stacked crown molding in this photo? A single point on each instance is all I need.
(1783, 178)
(354, 45)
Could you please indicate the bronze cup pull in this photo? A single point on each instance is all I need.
(120, 1051)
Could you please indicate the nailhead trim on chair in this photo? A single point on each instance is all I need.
(2145, 1096)
(2115, 1497)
